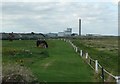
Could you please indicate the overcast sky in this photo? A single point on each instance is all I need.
(46, 17)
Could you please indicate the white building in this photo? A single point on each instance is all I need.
(68, 32)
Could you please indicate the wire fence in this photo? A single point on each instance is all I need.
(104, 75)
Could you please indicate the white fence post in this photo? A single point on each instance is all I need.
(80, 52)
(86, 55)
(96, 66)
(72, 45)
(117, 79)
(76, 49)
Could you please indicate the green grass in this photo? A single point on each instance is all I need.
(58, 63)
(107, 58)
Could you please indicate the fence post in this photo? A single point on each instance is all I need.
(86, 55)
(81, 52)
(102, 74)
(76, 49)
(72, 44)
(96, 66)
(69, 41)
(90, 61)
(117, 80)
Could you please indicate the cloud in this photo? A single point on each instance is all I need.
(62, 1)
(57, 16)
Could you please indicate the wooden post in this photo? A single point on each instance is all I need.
(90, 61)
(96, 66)
(102, 74)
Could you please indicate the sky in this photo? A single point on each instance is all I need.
(55, 16)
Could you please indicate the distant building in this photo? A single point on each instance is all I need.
(61, 34)
(52, 35)
(68, 32)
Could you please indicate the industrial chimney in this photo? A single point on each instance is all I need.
(79, 27)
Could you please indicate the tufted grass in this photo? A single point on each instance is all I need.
(105, 51)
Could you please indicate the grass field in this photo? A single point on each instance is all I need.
(58, 63)
(104, 50)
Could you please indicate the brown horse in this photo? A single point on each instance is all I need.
(41, 43)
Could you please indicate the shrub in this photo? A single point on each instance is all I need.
(16, 73)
